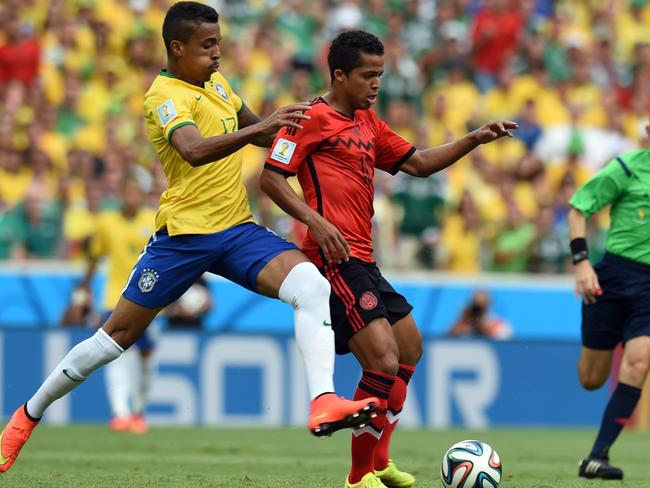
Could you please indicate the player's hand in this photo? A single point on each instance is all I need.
(81, 296)
(587, 285)
(330, 240)
(289, 116)
(78, 308)
(494, 130)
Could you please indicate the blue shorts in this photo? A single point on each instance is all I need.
(146, 342)
(622, 312)
(170, 265)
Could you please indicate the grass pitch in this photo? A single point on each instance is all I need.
(92, 456)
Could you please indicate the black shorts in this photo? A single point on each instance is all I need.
(622, 312)
(360, 294)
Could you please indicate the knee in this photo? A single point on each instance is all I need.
(313, 287)
(591, 382)
(386, 363)
(592, 378)
(320, 287)
(633, 370)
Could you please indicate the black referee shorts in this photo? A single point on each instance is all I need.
(622, 312)
(360, 294)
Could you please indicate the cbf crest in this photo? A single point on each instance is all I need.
(221, 91)
(148, 279)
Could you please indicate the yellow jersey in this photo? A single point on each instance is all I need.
(121, 241)
(208, 198)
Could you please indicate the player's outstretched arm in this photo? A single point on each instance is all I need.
(587, 285)
(198, 150)
(245, 118)
(329, 238)
(426, 162)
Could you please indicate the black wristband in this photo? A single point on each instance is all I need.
(579, 251)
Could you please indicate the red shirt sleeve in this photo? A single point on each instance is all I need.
(391, 149)
(292, 146)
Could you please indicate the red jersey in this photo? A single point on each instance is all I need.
(335, 158)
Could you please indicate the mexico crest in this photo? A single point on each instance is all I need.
(368, 300)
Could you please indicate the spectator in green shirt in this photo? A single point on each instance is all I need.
(10, 230)
(39, 224)
(511, 247)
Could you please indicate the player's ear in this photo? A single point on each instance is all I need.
(339, 75)
(176, 48)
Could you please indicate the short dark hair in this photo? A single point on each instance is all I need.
(182, 18)
(345, 51)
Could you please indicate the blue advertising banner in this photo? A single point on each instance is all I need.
(535, 307)
(259, 380)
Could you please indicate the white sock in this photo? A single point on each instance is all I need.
(308, 292)
(119, 387)
(73, 369)
(142, 388)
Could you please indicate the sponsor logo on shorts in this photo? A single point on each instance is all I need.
(368, 300)
(148, 279)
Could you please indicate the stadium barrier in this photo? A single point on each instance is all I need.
(536, 307)
(236, 379)
(521, 382)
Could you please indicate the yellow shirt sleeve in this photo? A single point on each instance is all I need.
(171, 113)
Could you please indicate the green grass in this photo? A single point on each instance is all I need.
(91, 456)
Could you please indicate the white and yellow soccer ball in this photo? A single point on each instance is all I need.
(470, 464)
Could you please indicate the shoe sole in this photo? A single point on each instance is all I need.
(359, 419)
(605, 477)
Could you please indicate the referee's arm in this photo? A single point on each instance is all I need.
(587, 285)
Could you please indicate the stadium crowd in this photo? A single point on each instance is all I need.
(575, 74)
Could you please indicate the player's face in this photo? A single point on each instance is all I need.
(200, 55)
(362, 84)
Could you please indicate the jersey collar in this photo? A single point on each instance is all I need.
(322, 99)
(164, 72)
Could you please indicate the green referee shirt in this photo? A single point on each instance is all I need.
(625, 185)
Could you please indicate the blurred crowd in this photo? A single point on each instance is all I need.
(575, 74)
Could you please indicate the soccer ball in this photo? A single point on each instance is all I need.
(470, 464)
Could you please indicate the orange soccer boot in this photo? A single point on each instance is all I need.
(330, 413)
(120, 424)
(138, 424)
(14, 436)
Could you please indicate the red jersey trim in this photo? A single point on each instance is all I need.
(319, 198)
(395, 169)
(283, 172)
